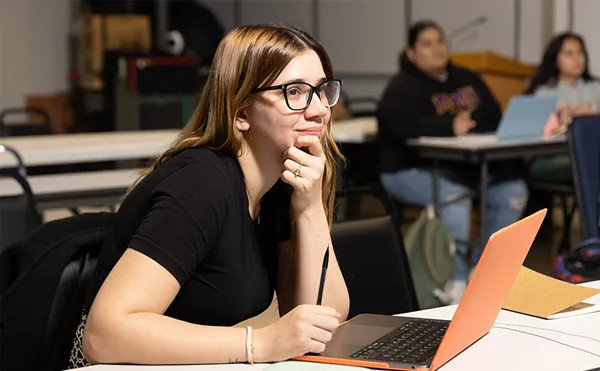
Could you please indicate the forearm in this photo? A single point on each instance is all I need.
(311, 238)
(147, 338)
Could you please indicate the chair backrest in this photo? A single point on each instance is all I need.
(584, 146)
(42, 126)
(67, 305)
(45, 280)
(373, 261)
(354, 193)
(19, 214)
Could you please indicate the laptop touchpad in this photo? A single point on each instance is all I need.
(362, 335)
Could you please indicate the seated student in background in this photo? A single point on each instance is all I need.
(238, 207)
(563, 72)
(432, 97)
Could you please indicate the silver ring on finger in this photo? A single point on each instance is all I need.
(298, 171)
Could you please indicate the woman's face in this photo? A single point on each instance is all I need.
(571, 59)
(271, 122)
(430, 53)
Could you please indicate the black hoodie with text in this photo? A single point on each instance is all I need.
(415, 105)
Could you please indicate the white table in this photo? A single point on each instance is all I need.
(355, 130)
(482, 141)
(47, 150)
(500, 350)
(44, 150)
(106, 187)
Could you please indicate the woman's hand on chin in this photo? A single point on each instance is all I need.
(303, 168)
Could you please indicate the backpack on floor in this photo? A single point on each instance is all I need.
(581, 263)
(431, 251)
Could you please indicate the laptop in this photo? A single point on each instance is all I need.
(524, 118)
(408, 343)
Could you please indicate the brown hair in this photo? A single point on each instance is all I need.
(249, 57)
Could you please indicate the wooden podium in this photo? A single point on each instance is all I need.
(504, 76)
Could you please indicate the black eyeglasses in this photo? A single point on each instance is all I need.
(298, 95)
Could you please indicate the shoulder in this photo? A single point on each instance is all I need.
(464, 76)
(594, 84)
(206, 166)
(546, 89)
(197, 173)
(403, 79)
(400, 84)
(465, 73)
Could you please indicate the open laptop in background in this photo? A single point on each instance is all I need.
(406, 343)
(525, 118)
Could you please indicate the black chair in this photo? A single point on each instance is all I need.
(584, 146)
(373, 258)
(353, 194)
(546, 191)
(375, 267)
(45, 281)
(37, 127)
(19, 214)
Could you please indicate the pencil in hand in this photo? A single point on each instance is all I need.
(323, 275)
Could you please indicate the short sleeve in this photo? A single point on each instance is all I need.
(185, 219)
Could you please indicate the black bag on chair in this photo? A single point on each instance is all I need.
(43, 287)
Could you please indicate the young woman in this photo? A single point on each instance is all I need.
(564, 72)
(432, 97)
(239, 207)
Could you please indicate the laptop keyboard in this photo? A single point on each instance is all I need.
(414, 342)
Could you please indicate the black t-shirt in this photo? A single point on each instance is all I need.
(191, 216)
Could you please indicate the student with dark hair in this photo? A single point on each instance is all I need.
(432, 97)
(564, 72)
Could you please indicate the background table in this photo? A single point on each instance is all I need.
(355, 130)
(105, 187)
(46, 150)
(481, 150)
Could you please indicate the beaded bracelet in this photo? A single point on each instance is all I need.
(250, 345)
